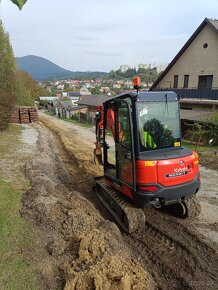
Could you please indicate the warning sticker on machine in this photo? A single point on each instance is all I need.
(176, 174)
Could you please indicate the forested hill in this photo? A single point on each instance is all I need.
(42, 69)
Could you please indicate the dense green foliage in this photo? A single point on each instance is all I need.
(203, 132)
(16, 87)
(7, 78)
(213, 128)
(27, 90)
(147, 75)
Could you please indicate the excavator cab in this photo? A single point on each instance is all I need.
(143, 159)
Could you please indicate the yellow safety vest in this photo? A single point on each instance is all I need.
(147, 140)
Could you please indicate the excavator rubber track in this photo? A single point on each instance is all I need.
(129, 217)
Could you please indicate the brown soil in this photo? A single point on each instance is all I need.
(209, 159)
(85, 249)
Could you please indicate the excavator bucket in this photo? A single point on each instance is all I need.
(98, 156)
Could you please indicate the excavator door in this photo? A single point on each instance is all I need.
(119, 156)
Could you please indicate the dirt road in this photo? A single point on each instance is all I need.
(86, 250)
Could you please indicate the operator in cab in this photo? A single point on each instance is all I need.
(155, 135)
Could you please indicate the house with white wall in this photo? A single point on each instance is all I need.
(195, 67)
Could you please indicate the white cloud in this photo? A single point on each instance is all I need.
(101, 35)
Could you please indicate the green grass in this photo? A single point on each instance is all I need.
(49, 113)
(17, 236)
(9, 138)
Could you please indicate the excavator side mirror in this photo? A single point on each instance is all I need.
(97, 116)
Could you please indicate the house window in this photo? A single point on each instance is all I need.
(186, 80)
(205, 82)
(175, 82)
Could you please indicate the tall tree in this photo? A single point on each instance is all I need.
(7, 63)
(7, 77)
(7, 73)
(27, 90)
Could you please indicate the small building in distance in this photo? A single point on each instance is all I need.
(48, 98)
(74, 97)
(195, 67)
(92, 102)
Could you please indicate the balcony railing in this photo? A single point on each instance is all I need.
(204, 94)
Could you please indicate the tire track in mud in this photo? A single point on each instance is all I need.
(186, 261)
(82, 180)
(172, 251)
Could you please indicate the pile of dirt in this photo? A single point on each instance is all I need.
(104, 263)
(112, 272)
(209, 159)
(83, 250)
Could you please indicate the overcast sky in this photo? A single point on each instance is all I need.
(103, 34)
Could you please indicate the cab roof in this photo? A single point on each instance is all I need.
(157, 96)
(148, 96)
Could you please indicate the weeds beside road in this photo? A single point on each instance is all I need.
(17, 236)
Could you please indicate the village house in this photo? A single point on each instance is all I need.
(85, 91)
(117, 86)
(104, 90)
(193, 73)
(60, 86)
(61, 108)
(48, 98)
(92, 102)
(74, 97)
(58, 94)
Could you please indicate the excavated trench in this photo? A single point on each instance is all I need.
(85, 248)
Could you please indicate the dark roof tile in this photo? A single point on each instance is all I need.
(93, 100)
(74, 94)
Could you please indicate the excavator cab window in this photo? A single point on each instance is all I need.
(123, 126)
(159, 125)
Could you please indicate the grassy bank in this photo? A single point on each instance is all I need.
(16, 234)
(49, 113)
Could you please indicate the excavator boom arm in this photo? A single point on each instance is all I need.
(99, 131)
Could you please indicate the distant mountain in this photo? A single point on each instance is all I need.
(42, 69)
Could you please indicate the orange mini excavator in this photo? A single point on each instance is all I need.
(143, 159)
